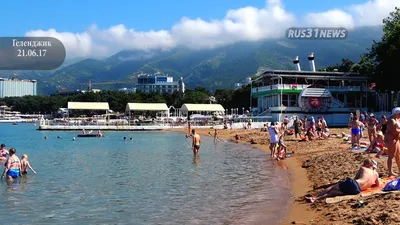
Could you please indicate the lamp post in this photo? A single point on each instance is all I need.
(251, 90)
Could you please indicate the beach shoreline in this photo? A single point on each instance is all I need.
(299, 184)
(315, 165)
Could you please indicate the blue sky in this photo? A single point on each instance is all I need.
(76, 16)
(90, 28)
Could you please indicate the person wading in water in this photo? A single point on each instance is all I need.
(196, 143)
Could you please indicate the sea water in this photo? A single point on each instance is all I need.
(153, 179)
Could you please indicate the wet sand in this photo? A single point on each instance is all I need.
(325, 162)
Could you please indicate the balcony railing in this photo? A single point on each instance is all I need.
(303, 86)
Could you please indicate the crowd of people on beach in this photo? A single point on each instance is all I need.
(14, 167)
(384, 137)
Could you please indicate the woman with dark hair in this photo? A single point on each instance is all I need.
(3, 152)
(13, 166)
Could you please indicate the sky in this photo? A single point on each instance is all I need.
(100, 28)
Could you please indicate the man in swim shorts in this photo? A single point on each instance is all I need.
(196, 142)
(355, 125)
(366, 177)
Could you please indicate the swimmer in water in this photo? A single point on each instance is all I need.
(124, 138)
(73, 138)
(58, 137)
(131, 139)
(196, 143)
(3, 152)
(25, 165)
(13, 166)
(45, 137)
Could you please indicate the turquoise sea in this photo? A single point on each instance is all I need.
(153, 179)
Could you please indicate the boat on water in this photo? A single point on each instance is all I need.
(87, 135)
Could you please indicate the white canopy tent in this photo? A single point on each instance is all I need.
(92, 106)
(88, 106)
(186, 108)
(158, 107)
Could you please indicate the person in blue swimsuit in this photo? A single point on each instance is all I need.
(355, 125)
(13, 166)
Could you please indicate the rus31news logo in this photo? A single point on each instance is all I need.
(316, 33)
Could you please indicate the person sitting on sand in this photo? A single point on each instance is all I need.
(355, 125)
(310, 135)
(25, 165)
(3, 152)
(377, 144)
(365, 178)
(325, 134)
(319, 128)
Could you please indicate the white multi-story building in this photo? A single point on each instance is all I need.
(17, 88)
(159, 84)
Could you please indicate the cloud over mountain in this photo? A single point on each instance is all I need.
(243, 24)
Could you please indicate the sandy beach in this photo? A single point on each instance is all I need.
(317, 164)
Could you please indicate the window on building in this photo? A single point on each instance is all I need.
(285, 100)
(293, 100)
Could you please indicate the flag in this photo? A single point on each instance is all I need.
(372, 86)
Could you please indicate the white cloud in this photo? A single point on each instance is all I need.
(331, 18)
(243, 24)
(369, 13)
(373, 12)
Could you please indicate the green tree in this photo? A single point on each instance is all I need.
(386, 54)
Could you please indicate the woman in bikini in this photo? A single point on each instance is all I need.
(319, 128)
(3, 152)
(13, 166)
(392, 138)
(372, 122)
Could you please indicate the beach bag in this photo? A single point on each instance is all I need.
(393, 185)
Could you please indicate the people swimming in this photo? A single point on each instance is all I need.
(25, 165)
(196, 142)
(3, 152)
(99, 134)
(124, 138)
(13, 166)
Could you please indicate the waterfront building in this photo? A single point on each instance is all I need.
(159, 84)
(17, 88)
(333, 95)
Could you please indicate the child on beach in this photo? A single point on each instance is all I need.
(25, 165)
(282, 148)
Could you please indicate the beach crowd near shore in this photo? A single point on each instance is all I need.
(338, 175)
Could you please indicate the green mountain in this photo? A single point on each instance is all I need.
(211, 68)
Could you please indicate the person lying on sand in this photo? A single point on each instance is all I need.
(365, 178)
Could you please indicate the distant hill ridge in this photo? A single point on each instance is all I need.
(211, 68)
